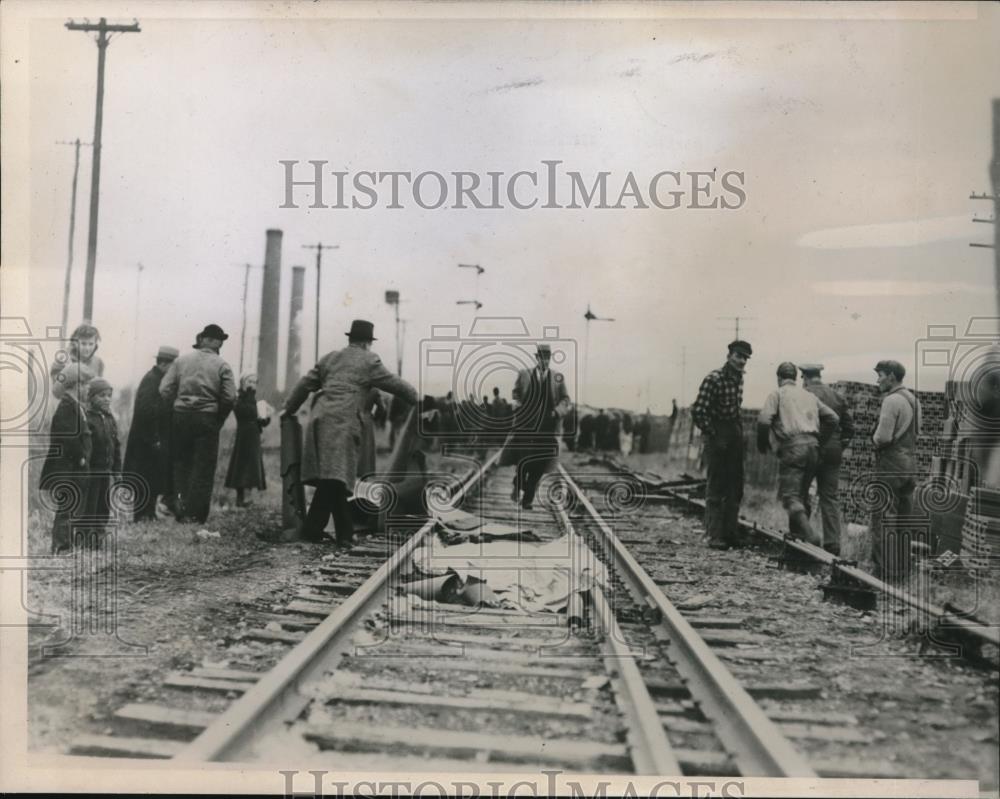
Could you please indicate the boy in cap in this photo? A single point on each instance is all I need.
(831, 450)
(716, 412)
(105, 455)
(147, 454)
(68, 461)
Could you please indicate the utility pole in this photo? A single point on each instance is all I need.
(475, 302)
(736, 319)
(319, 247)
(243, 326)
(135, 336)
(590, 316)
(103, 30)
(72, 227)
(392, 298)
(684, 360)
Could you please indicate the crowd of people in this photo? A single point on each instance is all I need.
(807, 427)
(183, 400)
(171, 454)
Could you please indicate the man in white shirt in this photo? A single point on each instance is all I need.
(895, 439)
(789, 423)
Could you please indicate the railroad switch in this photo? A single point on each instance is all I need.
(845, 590)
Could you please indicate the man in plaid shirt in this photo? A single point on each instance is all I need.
(717, 414)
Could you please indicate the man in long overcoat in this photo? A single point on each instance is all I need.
(332, 457)
(147, 453)
(540, 401)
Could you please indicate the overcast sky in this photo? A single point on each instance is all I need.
(860, 142)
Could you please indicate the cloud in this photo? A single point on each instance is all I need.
(517, 84)
(895, 288)
(911, 233)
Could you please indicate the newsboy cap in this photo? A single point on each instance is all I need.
(166, 353)
(892, 368)
(811, 368)
(96, 386)
(741, 346)
(787, 369)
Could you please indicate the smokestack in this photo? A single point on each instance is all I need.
(267, 352)
(293, 363)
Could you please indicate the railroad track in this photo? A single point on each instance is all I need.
(625, 682)
(960, 632)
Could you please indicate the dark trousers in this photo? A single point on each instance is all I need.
(195, 452)
(724, 488)
(527, 476)
(69, 496)
(889, 533)
(797, 461)
(828, 488)
(330, 497)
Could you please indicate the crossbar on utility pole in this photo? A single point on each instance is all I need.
(319, 247)
(103, 29)
(736, 319)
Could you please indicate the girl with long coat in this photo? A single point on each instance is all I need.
(246, 463)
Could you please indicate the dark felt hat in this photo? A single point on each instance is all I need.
(361, 330)
(212, 331)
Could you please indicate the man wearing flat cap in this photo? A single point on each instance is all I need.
(147, 453)
(540, 401)
(895, 440)
(789, 425)
(831, 449)
(201, 390)
(716, 412)
(333, 457)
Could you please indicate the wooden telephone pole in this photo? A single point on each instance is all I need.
(319, 247)
(103, 30)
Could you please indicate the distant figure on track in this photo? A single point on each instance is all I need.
(789, 423)
(895, 439)
(831, 450)
(332, 454)
(147, 454)
(540, 402)
(246, 462)
(716, 412)
(201, 389)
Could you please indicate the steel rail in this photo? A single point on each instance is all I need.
(276, 697)
(983, 634)
(649, 746)
(756, 744)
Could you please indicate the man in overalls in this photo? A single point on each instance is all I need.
(895, 439)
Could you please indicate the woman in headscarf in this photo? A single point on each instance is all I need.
(246, 463)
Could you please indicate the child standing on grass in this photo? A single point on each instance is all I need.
(83, 350)
(105, 457)
(67, 464)
(246, 463)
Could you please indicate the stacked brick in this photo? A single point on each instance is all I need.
(981, 530)
(859, 460)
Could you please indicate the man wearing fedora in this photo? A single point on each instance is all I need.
(147, 452)
(200, 387)
(540, 402)
(333, 457)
